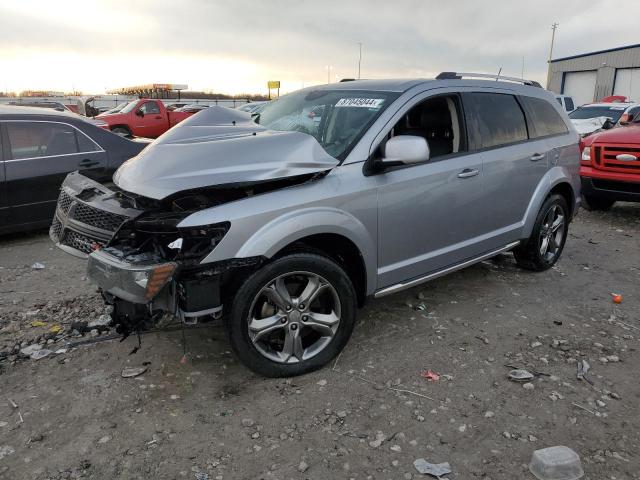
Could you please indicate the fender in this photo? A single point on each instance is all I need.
(553, 177)
(296, 225)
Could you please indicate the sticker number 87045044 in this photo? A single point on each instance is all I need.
(360, 102)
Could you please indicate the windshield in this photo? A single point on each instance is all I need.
(129, 106)
(335, 118)
(612, 112)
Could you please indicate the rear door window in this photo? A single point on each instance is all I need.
(85, 144)
(493, 119)
(40, 139)
(544, 120)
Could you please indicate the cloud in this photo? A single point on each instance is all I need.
(294, 40)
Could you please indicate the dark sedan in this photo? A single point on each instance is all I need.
(38, 148)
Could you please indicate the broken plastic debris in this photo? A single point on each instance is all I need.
(556, 463)
(435, 469)
(616, 297)
(37, 266)
(430, 375)
(421, 306)
(176, 244)
(520, 375)
(38, 323)
(583, 368)
(38, 354)
(28, 351)
(55, 329)
(131, 372)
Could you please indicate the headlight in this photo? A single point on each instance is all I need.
(586, 154)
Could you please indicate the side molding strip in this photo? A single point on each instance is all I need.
(412, 283)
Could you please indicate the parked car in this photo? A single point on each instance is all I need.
(285, 227)
(192, 108)
(38, 148)
(252, 107)
(60, 107)
(115, 109)
(143, 118)
(610, 167)
(594, 117)
(566, 102)
(175, 106)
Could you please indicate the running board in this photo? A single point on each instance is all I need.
(412, 283)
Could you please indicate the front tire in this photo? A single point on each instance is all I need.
(592, 203)
(544, 247)
(292, 316)
(122, 131)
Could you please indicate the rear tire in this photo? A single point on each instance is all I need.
(544, 247)
(292, 316)
(592, 203)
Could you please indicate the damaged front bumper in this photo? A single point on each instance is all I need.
(136, 283)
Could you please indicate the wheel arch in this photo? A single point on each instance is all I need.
(556, 181)
(341, 250)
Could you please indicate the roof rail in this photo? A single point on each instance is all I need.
(458, 76)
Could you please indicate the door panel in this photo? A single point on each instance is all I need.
(153, 123)
(511, 175)
(428, 217)
(42, 154)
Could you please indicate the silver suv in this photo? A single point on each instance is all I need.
(284, 223)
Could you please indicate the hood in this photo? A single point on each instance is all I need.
(220, 146)
(585, 126)
(628, 134)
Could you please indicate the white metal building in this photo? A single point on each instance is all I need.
(589, 77)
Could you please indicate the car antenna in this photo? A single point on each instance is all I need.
(499, 72)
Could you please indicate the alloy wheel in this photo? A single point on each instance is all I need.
(294, 317)
(552, 233)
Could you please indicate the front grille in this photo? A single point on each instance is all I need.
(96, 218)
(64, 201)
(55, 232)
(82, 226)
(81, 242)
(605, 158)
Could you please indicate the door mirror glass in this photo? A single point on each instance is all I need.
(405, 149)
(140, 113)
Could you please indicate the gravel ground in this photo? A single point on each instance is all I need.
(369, 415)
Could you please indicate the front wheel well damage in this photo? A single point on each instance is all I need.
(339, 249)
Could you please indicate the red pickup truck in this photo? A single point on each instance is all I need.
(143, 118)
(610, 167)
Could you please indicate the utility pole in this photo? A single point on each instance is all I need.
(359, 59)
(522, 68)
(554, 27)
(328, 73)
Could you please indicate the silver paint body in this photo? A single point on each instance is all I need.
(408, 224)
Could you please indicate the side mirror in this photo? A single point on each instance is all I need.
(140, 113)
(405, 150)
(608, 124)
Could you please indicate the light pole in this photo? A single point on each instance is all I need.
(359, 58)
(329, 73)
(554, 27)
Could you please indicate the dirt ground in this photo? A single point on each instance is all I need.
(367, 416)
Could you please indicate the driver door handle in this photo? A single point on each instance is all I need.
(537, 156)
(468, 173)
(87, 163)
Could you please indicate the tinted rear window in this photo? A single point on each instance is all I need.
(544, 119)
(493, 119)
(568, 102)
(614, 112)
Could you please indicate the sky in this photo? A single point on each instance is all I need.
(236, 46)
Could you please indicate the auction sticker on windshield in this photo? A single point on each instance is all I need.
(360, 102)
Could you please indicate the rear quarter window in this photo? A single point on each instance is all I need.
(544, 119)
(493, 119)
